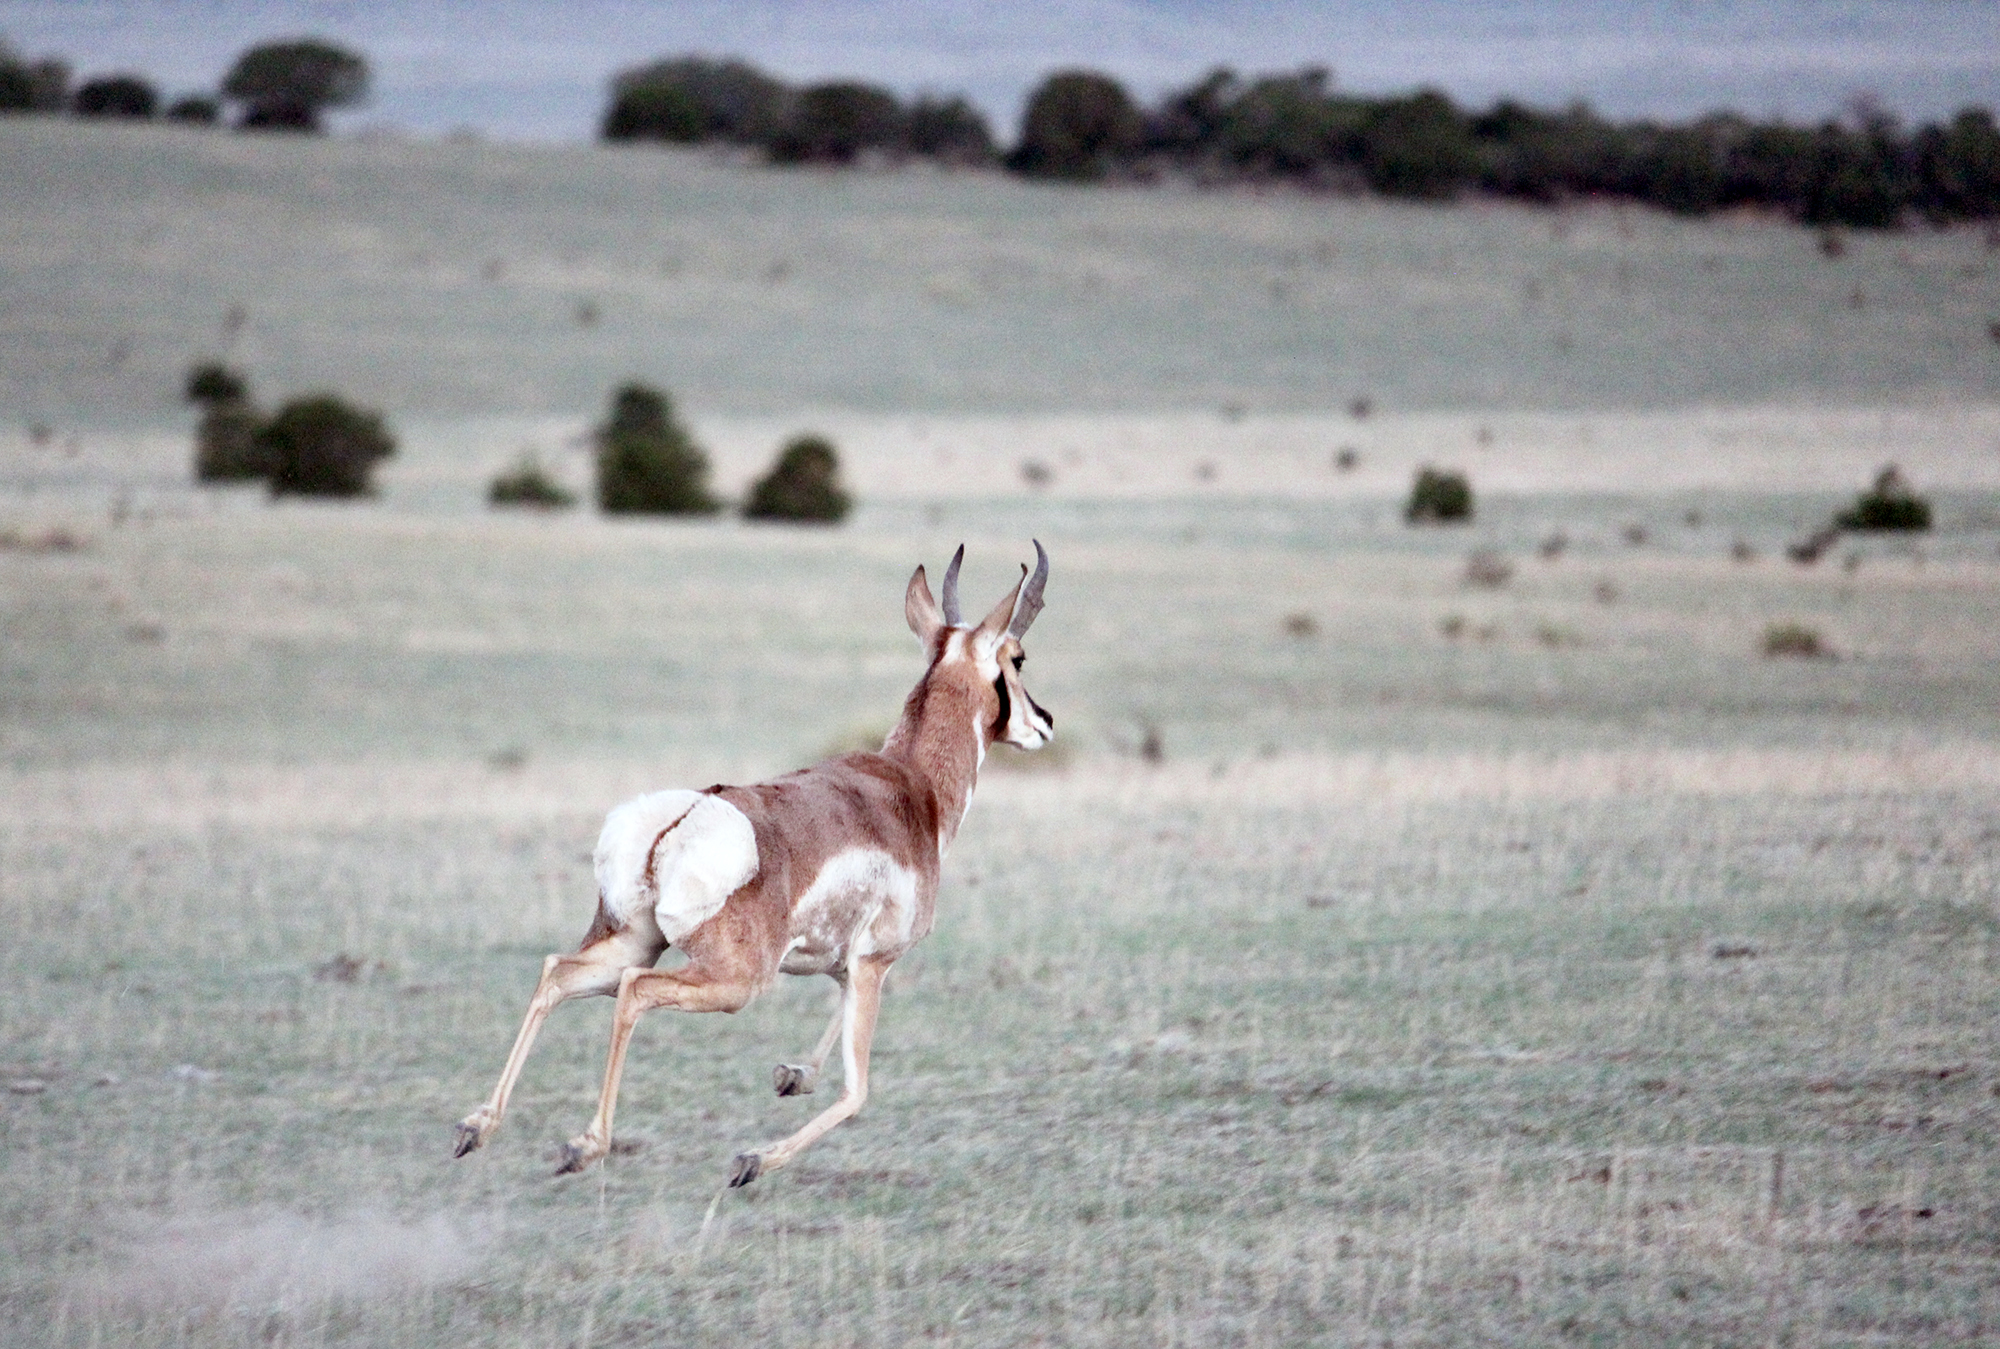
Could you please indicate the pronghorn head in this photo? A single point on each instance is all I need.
(983, 662)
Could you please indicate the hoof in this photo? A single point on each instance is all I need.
(576, 1156)
(472, 1132)
(748, 1167)
(790, 1079)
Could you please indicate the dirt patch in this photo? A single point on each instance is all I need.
(265, 1260)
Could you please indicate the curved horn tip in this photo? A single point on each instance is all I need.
(950, 596)
(1030, 602)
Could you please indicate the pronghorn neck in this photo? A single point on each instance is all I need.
(942, 736)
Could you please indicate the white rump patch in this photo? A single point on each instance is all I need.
(672, 859)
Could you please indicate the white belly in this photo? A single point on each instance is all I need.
(863, 901)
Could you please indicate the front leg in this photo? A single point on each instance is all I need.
(859, 1005)
(799, 1079)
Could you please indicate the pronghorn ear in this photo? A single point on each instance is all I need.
(920, 610)
(987, 635)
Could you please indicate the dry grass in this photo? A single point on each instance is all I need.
(1637, 990)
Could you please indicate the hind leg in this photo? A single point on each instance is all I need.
(692, 988)
(798, 1079)
(595, 970)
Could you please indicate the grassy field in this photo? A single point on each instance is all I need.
(1619, 984)
(1526, 963)
(466, 280)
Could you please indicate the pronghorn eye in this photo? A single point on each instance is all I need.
(1019, 661)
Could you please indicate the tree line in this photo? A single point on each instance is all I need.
(275, 86)
(1868, 170)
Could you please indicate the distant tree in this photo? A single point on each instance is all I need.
(1771, 164)
(529, 484)
(320, 445)
(116, 96)
(1889, 505)
(285, 86)
(1958, 167)
(647, 463)
(1547, 157)
(1079, 124)
(658, 112)
(1288, 125)
(833, 123)
(17, 84)
(1418, 147)
(195, 110)
(694, 98)
(950, 130)
(803, 486)
(32, 86)
(213, 382)
(226, 448)
(1188, 123)
(1682, 169)
(1855, 177)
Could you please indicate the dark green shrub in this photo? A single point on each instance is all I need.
(1079, 124)
(17, 86)
(804, 485)
(1891, 505)
(646, 462)
(225, 443)
(950, 130)
(284, 86)
(1958, 167)
(1796, 640)
(529, 484)
(213, 382)
(1285, 125)
(1439, 497)
(659, 112)
(833, 123)
(195, 110)
(116, 96)
(226, 447)
(319, 445)
(32, 86)
(1418, 147)
(731, 101)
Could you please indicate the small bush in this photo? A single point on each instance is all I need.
(226, 447)
(195, 110)
(804, 485)
(1890, 506)
(1439, 497)
(214, 382)
(647, 464)
(321, 446)
(1487, 570)
(1079, 124)
(225, 443)
(1796, 640)
(529, 484)
(129, 96)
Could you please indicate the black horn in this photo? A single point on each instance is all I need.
(951, 615)
(1030, 602)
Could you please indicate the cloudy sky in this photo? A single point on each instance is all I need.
(533, 69)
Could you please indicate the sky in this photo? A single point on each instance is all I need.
(536, 70)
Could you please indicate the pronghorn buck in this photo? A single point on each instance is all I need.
(832, 870)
